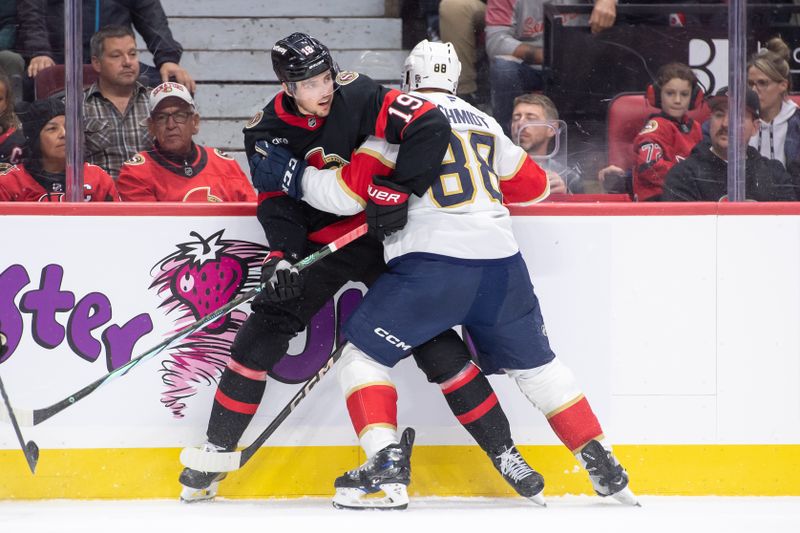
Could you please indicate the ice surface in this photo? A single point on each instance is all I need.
(563, 515)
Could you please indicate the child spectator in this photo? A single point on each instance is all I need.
(42, 175)
(668, 136)
(778, 135)
(11, 139)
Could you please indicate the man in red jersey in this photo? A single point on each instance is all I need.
(176, 169)
(42, 175)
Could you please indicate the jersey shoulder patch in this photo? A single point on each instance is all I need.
(222, 154)
(5, 168)
(137, 159)
(255, 120)
(650, 127)
(346, 76)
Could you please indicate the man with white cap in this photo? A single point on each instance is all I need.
(176, 169)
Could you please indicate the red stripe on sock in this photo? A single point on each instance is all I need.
(234, 405)
(373, 404)
(482, 409)
(576, 425)
(249, 373)
(460, 379)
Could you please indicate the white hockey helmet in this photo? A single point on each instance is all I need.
(431, 66)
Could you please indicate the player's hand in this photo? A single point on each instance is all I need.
(274, 168)
(387, 207)
(38, 64)
(3, 344)
(603, 15)
(280, 279)
(173, 70)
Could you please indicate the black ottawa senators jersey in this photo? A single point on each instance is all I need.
(361, 107)
(17, 185)
(207, 176)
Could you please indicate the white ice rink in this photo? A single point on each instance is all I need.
(452, 515)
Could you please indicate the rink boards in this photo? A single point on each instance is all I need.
(680, 322)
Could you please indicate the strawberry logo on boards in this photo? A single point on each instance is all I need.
(200, 277)
(208, 279)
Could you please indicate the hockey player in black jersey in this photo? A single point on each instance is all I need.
(321, 116)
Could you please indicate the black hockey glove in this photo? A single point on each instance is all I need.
(3, 344)
(387, 207)
(281, 280)
(274, 168)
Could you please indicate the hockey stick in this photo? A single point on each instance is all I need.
(197, 459)
(33, 417)
(30, 449)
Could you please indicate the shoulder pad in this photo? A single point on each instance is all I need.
(651, 126)
(346, 76)
(137, 159)
(255, 120)
(222, 154)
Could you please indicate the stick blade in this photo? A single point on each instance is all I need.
(197, 459)
(32, 455)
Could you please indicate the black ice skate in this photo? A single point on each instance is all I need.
(607, 475)
(525, 480)
(388, 471)
(201, 486)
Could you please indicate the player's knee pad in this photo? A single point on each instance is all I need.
(442, 357)
(356, 369)
(549, 387)
(259, 344)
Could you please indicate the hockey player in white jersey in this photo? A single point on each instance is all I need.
(452, 259)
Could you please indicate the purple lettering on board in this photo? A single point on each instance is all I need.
(12, 280)
(318, 348)
(43, 303)
(91, 312)
(119, 341)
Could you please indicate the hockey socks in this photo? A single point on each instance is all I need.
(371, 399)
(475, 405)
(552, 389)
(237, 399)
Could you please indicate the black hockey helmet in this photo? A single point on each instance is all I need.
(299, 57)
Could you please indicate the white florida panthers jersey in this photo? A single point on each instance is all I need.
(462, 215)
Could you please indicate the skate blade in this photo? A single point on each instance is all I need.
(626, 496)
(538, 499)
(191, 495)
(395, 498)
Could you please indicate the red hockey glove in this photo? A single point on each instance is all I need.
(387, 207)
(280, 279)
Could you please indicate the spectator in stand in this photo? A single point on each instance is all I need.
(11, 63)
(115, 106)
(534, 124)
(12, 141)
(461, 22)
(176, 169)
(42, 175)
(514, 44)
(42, 34)
(703, 176)
(778, 135)
(669, 136)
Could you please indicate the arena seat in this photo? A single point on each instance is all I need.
(626, 117)
(51, 80)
